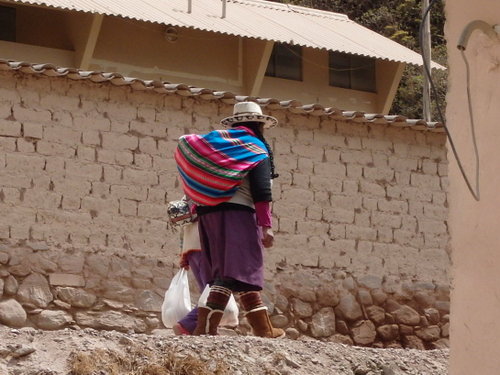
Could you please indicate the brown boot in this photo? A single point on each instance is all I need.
(208, 321)
(261, 324)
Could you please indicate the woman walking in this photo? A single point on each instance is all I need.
(228, 173)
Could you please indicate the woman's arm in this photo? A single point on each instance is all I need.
(260, 187)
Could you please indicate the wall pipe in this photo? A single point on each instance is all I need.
(491, 31)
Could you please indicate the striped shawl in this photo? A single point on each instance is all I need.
(212, 166)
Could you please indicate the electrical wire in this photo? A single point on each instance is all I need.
(361, 67)
(472, 122)
(473, 191)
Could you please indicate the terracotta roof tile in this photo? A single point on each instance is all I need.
(227, 97)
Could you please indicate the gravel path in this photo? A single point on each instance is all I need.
(28, 351)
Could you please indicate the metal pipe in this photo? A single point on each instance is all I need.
(426, 49)
(223, 9)
(473, 25)
(190, 6)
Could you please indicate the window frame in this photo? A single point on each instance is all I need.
(278, 65)
(351, 63)
(8, 17)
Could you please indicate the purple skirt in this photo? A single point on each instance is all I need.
(231, 243)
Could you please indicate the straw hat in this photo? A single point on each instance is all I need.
(249, 111)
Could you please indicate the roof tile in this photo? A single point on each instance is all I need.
(227, 97)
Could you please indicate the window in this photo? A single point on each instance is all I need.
(285, 62)
(7, 24)
(352, 71)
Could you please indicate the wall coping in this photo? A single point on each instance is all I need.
(227, 97)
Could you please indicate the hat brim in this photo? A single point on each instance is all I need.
(268, 121)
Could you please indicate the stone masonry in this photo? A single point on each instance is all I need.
(86, 170)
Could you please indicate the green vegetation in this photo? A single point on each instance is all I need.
(398, 20)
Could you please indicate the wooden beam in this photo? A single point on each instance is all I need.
(255, 83)
(84, 55)
(389, 95)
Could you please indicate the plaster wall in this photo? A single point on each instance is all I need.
(474, 225)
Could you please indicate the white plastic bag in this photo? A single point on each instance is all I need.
(230, 317)
(177, 302)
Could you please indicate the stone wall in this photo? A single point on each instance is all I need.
(86, 170)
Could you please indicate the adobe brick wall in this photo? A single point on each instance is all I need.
(86, 170)
(363, 198)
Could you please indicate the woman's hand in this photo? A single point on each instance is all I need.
(183, 263)
(267, 237)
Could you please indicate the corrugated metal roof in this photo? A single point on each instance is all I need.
(227, 97)
(259, 19)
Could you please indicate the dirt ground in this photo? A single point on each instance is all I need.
(29, 351)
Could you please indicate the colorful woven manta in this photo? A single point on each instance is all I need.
(212, 166)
